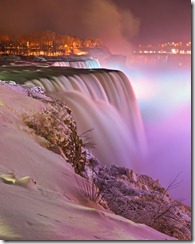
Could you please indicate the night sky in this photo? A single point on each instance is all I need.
(113, 21)
(161, 20)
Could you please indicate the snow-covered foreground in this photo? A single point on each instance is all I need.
(40, 193)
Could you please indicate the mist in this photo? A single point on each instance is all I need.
(164, 97)
(100, 19)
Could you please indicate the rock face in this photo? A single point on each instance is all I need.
(141, 199)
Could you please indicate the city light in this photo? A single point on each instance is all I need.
(47, 43)
(164, 48)
(174, 51)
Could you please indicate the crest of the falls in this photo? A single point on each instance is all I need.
(84, 64)
(102, 100)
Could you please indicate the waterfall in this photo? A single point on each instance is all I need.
(102, 100)
(85, 64)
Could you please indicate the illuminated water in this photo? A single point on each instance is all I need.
(154, 104)
(104, 101)
(164, 98)
(85, 64)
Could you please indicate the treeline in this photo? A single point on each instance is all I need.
(50, 38)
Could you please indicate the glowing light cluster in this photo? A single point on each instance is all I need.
(45, 43)
(165, 48)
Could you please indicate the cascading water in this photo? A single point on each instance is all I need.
(85, 64)
(104, 101)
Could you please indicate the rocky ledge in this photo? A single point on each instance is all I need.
(140, 199)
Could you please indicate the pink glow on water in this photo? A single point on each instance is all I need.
(154, 103)
(104, 101)
(164, 97)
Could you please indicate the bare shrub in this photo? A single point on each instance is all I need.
(89, 190)
(57, 126)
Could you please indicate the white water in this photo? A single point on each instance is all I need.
(163, 90)
(105, 102)
(164, 97)
(84, 64)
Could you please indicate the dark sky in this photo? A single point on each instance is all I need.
(161, 20)
(114, 21)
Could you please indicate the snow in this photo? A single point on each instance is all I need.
(40, 195)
